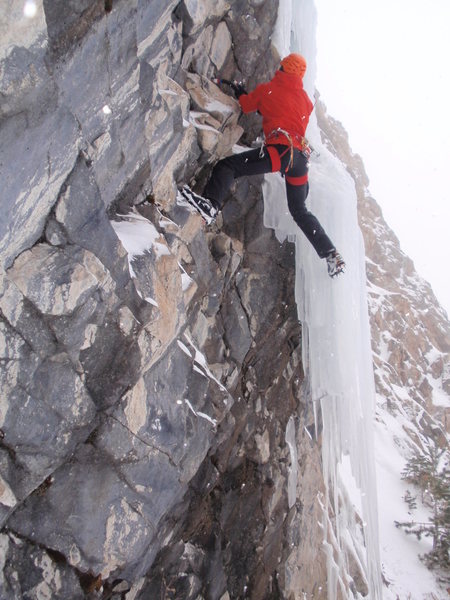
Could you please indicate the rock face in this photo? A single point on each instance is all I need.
(154, 427)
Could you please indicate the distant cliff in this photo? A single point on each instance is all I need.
(410, 330)
(411, 354)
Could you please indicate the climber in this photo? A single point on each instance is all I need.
(285, 108)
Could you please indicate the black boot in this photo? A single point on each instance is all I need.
(202, 205)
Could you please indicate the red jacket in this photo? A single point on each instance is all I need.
(284, 104)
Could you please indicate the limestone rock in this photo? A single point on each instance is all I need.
(46, 411)
(221, 45)
(40, 576)
(216, 118)
(48, 160)
(146, 387)
(58, 282)
(199, 11)
(13, 26)
(196, 57)
(208, 97)
(80, 214)
(251, 31)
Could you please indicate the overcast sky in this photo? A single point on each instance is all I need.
(384, 72)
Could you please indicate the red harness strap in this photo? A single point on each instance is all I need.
(275, 159)
(297, 180)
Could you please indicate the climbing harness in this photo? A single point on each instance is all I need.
(275, 157)
(275, 133)
(305, 148)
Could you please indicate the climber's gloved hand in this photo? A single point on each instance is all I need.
(238, 89)
(236, 86)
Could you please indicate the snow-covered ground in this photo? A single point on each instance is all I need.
(405, 574)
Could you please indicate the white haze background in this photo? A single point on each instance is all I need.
(383, 71)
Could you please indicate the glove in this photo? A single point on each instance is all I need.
(238, 90)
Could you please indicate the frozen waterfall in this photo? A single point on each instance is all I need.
(336, 336)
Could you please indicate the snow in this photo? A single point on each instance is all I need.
(293, 469)
(184, 348)
(152, 301)
(194, 119)
(218, 107)
(200, 414)
(30, 9)
(402, 568)
(186, 281)
(440, 398)
(238, 149)
(201, 365)
(168, 92)
(138, 235)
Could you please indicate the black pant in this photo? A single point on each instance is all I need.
(252, 163)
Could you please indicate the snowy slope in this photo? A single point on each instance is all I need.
(409, 342)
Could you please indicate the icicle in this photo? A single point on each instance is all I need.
(336, 350)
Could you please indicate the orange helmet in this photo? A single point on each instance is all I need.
(294, 63)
